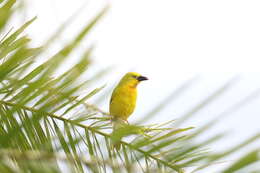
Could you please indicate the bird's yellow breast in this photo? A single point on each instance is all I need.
(123, 101)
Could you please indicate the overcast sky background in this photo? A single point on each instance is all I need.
(170, 42)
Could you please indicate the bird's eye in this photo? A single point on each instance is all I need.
(134, 76)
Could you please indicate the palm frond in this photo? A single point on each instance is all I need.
(46, 126)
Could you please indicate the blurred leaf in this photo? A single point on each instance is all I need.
(243, 162)
(174, 95)
(219, 92)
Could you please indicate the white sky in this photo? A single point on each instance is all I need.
(170, 42)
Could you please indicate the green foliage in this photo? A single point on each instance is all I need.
(44, 127)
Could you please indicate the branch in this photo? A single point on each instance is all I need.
(147, 154)
(43, 155)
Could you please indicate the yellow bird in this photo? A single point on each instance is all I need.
(123, 99)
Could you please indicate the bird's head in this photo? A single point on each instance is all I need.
(132, 79)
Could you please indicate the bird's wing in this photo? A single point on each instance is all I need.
(111, 100)
(112, 96)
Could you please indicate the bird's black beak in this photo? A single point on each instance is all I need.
(141, 78)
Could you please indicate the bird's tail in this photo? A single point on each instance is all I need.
(118, 125)
(121, 128)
